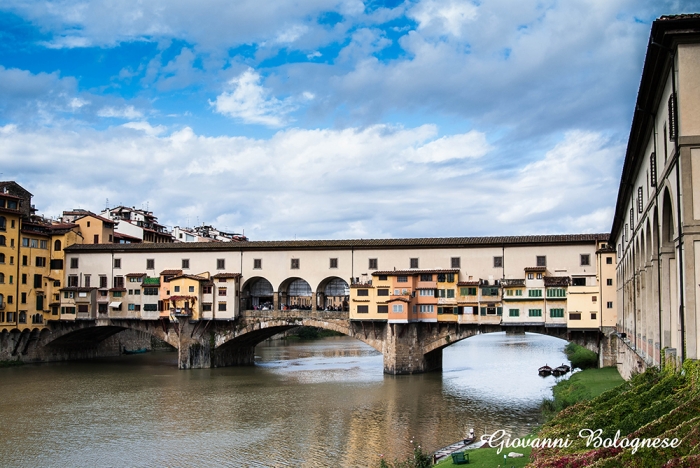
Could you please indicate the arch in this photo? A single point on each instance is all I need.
(295, 293)
(333, 294)
(3, 223)
(667, 220)
(2, 258)
(2, 240)
(2, 278)
(57, 245)
(257, 293)
(79, 335)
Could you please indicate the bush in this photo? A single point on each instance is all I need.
(581, 357)
(419, 459)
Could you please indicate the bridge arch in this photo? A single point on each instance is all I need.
(333, 293)
(88, 335)
(295, 293)
(257, 293)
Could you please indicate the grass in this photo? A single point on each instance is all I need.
(581, 386)
(487, 457)
(581, 357)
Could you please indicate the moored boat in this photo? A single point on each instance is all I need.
(544, 371)
(135, 351)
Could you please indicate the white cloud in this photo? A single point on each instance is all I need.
(467, 145)
(251, 103)
(444, 16)
(355, 182)
(127, 112)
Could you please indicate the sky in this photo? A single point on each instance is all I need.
(326, 119)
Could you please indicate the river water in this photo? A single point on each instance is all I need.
(304, 404)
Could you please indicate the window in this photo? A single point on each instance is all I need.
(382, 309)
(575, 316)
(373, 262)
(57, 245)
(117, 263)
(37, 281)
(556, 313)
(206, 289)
(426, 277)
(397, 308)
(25, 260)
(185, 263)
(103, 281)
(118, 281)
(74, 263)
(222, 307)
(652, 168)
(585, 259)
(426, 309)
(382, 277)
(39, 302)
(24, 278)
(609, 282)
(610, 305)
(206, 307)
(608, 260)
(382, 292)
(2, 258)
(414, 263)
(535, 312)
(534, 293)
(220, 264)
(191, 289)
(541, 261)
(295, 264)
(333, 263)
(594, 298)
(539, 276)
(593, 315)
(362, 309)
(402, 279)
(2, 278)
(530, 276)
(117, 294)
(257, 263)
(40, 261)
(578, 281)
(456, 262)
(23, 298)
(450, 293)
(150, 291)
(3, 223)
(426, 292)
(222, 291)
(134, 279)
(56, 264)
(363, 292)
(450, 277)
(514, 312)
(441, 277)
(150, 264)
(177, 288)
(556, 292)
(489, 291)
(498, 262)
(2, 240)
(73, 281)
(672, 117)
(518, 292)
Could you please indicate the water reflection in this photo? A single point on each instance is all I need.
(303, 404)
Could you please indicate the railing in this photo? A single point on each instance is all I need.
(295, 313)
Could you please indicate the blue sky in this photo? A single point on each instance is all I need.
(326, 118)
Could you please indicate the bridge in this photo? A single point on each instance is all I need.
(407, 348)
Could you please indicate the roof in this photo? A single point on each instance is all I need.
(399, 298)
(468, 283)
(192, 277)
(169, 272)
(666, 32)
(556, 280)
(227, 275)
(135, 275)
(366, 244)
(513, 282)
(93, 215)
(180, 298)
(121, 235)
(537, 268)
(415, 272)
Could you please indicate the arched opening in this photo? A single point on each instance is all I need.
(57, 245)
(667, 226)
(334, 294)
(3, 223)
(257, 294)
(2, 240)
(295, 294)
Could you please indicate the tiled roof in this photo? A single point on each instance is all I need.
(402, 299)
(513, 282)
(429, 242)
(135, 275)
(170, 272)
(414, 272)
(227, 275)
(192, 277)
(468, 283)
(537, 268)
(180, 298)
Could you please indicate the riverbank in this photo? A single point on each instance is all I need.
(581, 386)
(490, 458)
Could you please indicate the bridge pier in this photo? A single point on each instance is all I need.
(403, 350)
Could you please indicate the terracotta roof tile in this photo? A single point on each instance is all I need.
(168, 272)
(414, 272)
(227, 275)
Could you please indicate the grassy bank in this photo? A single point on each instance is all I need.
(488, 458)
(581, 386)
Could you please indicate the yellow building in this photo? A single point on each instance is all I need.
(34, 255)
(183, 296)
(10, 221)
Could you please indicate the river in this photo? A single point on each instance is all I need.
(304, 404)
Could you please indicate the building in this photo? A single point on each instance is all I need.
(656, 228)
(132, 223)
(205, 234)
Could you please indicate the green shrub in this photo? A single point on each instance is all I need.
(581, 357)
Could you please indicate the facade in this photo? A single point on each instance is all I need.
(656, 228)
(547, 279)
(205, 234)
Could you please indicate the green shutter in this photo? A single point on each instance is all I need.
(483, 311)
(499, 310)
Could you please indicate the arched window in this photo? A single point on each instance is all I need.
(2, 240)
(3, 223)
(2, 258)
(57, 245)
(2, 300)
(2, 278)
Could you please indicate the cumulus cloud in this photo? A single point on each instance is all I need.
(248, 101)
(444, 16)
(128, 112)
(321, 183)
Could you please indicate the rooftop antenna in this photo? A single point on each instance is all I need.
(106, 203)
(146, 206)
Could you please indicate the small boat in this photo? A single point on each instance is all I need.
(561, 370)
(544, 371)
(135, 351)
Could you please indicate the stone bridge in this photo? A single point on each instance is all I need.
(407, 348)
